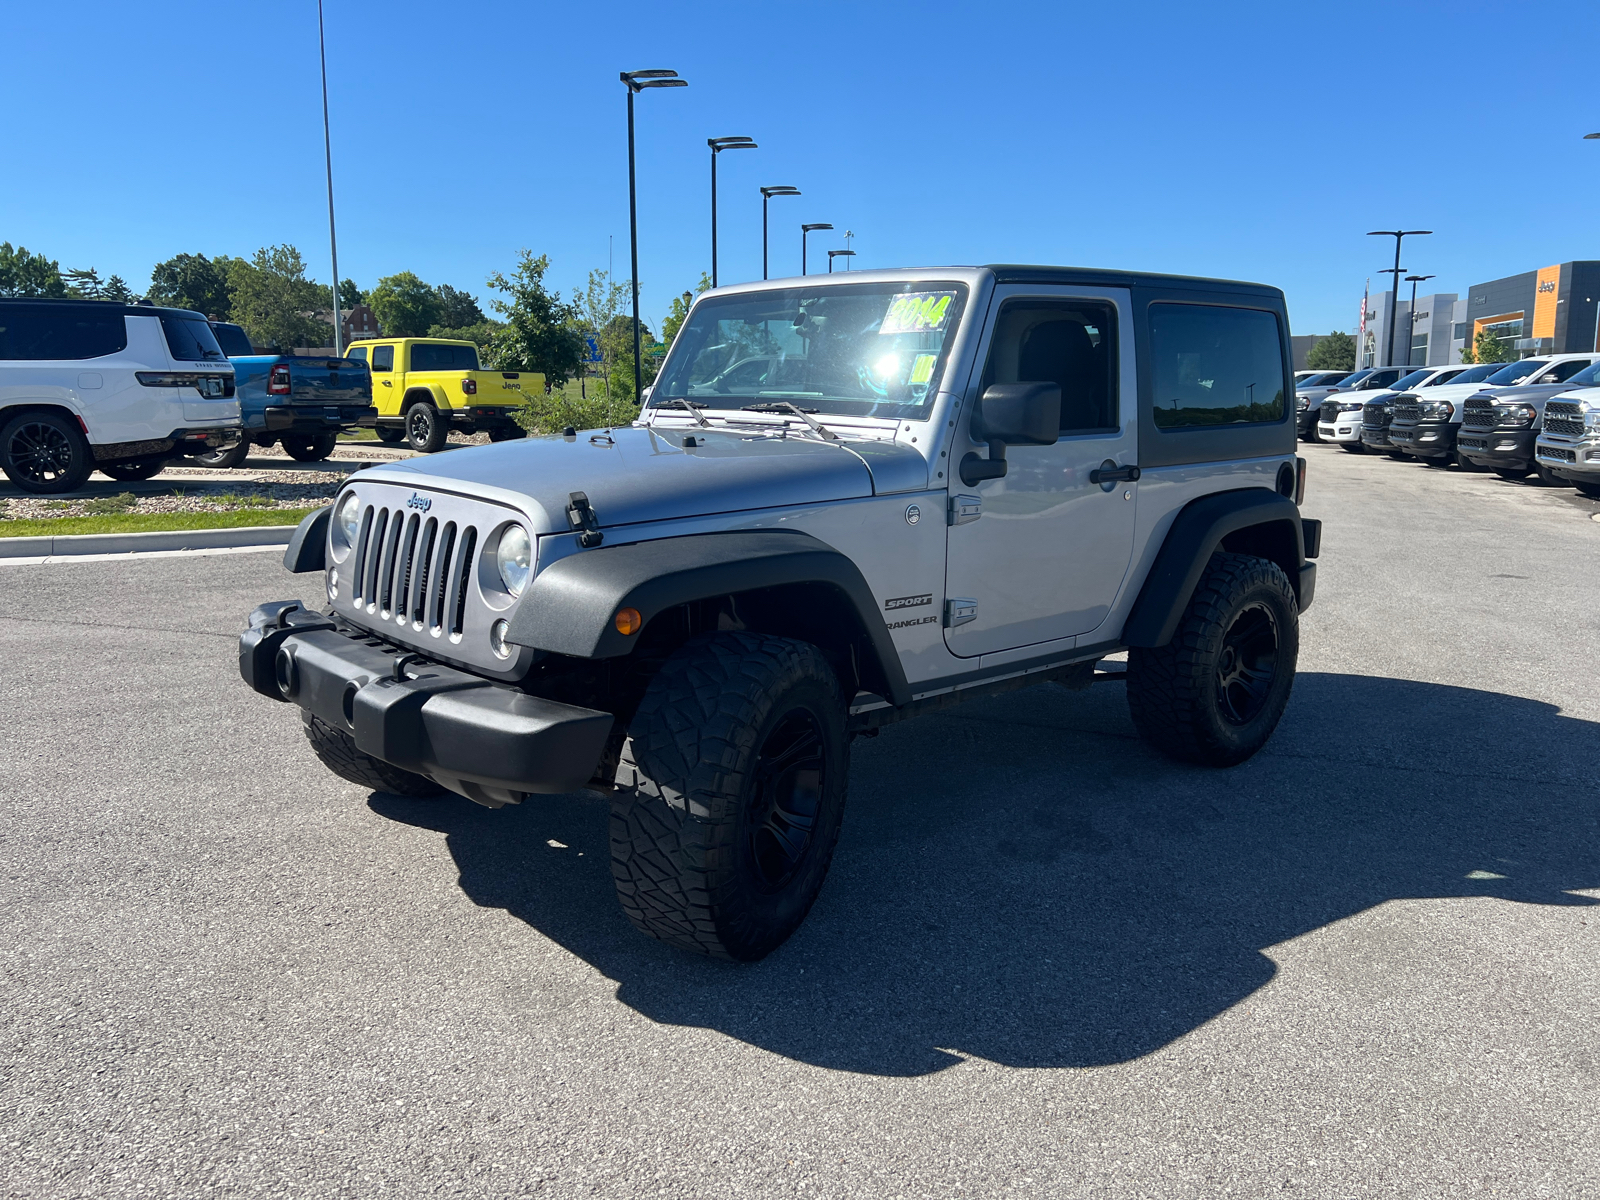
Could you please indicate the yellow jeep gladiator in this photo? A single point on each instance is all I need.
(425, 387)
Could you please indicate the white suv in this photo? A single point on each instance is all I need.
(94, 385)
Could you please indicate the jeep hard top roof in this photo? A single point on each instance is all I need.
(1101, 277)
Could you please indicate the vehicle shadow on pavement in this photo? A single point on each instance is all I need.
(1022, 880)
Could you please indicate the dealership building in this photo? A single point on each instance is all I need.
(1554, 310)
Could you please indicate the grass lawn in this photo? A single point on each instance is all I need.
(151, 522)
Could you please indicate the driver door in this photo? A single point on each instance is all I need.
(1047, 554)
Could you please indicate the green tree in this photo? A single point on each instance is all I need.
(86, 285)
(542, 332)
(193, 281)
(1486, 348)
(1336, 352)
(457, 309)
(350, 295)
(117, 289)
(271, 297)
(680, 310)
(482, 332)
(404, 305)
(25, 274)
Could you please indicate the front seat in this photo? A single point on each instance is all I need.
(1061, 352)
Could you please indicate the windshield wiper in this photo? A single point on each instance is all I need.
(804, 414)
(689, 406)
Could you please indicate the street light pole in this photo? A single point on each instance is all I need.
(1590, 137)
(805, 231)
(833, 254)
(1411, 341)
(1399, 235)
(637, 81)
(327, 151)
(718, 145)
(767, 193)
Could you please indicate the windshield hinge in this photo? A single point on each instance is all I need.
(582, 517)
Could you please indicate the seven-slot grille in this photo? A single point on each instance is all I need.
(413, 569)
(1479, 414)
(1563, 419)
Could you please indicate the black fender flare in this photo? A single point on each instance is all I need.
(1198, 532)
(308, 545)
(571, 605)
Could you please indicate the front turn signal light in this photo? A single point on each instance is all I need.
(628, 621)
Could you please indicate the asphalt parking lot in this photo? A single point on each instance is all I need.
(1046, 963)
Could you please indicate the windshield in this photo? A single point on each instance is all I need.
(1355, 377)
(1411, 380)
(234, 341)
(1478, 373)
(1320, 379)
(1517, 371)
(190, 338)
(865, 349)
(1589, 375)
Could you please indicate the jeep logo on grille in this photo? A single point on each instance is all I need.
(419, 502)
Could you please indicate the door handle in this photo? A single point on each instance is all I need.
(1109, 472)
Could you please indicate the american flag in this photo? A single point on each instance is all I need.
(1362, 331)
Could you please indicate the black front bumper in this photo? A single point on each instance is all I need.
(1425, 439)
(486, 741)
(1500, 449)
(1376, 436)
(1306, 422)
(317, 418)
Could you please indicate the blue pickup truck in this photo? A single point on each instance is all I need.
(303, 404)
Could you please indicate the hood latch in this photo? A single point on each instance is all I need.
(581, 516)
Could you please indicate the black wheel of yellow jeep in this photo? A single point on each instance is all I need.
(337, 750)
(426, 430)
(390, 434)
(730, 794)
(133, 470)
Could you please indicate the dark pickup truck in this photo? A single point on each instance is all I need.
(303, 404)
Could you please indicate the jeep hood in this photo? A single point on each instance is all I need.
(641, 474)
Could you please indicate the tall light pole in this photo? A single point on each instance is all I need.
(327, 152)
(1399, 235)
(767, 193)
(1411, 341)
(833, 254)
(718, 145)
(1590, 137)
(637, 81)
(805, 232)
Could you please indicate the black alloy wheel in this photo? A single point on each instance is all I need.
(425, 429)
(782, 813)
(43, 452)
(389, 434)
(1247, 664)
(137, 469)
(308, 447)
(232, 457)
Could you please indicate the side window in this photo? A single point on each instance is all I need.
(383, 358)
(50, 331)
(1562, 372)
(1215, 366)
(1072, 343)
(359, 353)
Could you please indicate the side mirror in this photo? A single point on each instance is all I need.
(1011, 414)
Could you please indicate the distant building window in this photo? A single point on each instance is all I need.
(1505, 330)
(1215, 365)
(1419, 350)
(1460, 334)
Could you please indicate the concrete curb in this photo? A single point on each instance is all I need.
(134, 543)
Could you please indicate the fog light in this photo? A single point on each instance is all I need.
(1505, 446)
(628, 621)
(333, 583)
(497, 638)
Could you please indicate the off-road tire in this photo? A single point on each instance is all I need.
(694, 854)
(426, 430)
(390, 435)
(308, 447)
(337, 750)
(132, 472)
(1354, 447)
(1175, 691)
(224, 460)
(45, 453)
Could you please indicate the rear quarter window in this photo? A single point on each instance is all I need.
(35, 332)
(444, 358)
(190, 338)
(1212, 366)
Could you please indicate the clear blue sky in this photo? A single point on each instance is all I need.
(1241, 140)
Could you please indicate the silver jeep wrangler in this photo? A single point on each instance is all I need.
(849, 501)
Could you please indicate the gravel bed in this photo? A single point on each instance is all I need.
(272, 489)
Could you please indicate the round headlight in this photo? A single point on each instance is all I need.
(514, 558)
(347, 518)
